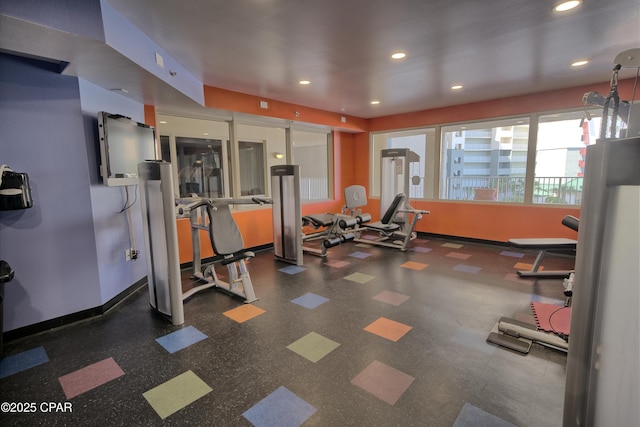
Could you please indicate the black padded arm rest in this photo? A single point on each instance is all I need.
(237, 257)
(544, 243)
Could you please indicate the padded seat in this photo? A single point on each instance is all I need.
(386, 224)
(544, 243)
(385, 228)
(319, 220)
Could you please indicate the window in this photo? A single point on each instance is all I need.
(311, 151)
(197, 150)
(423, 170)
(233, 158)
(200, 170)
(254, 142)
(560, 155)
(251, 161)
(484, 161)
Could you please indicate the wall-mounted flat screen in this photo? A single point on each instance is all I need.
(123, 144)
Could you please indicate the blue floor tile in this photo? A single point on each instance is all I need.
(281, 408)
(176, 341)
(310, 300)
(471, 416)
(292, 269)
(421, 249)
(22, 361)
(360, 255)
(467, 268)
(512, 254)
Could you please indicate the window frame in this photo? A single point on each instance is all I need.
(429, 170)
(328, 145)
(532, 142)
(281, 144)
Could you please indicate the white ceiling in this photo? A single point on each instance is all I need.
(494, 48)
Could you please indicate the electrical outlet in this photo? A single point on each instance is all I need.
(127, 255)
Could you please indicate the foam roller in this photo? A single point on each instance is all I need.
(364, 218)
(347, 223)
(335, 241)
(330, 243)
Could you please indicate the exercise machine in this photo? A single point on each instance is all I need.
(625, 111)
(287, 213)
(214, 217)
(519, 336)
(542, 245)
(340, 227)
(289, 241)
(396, 227)
(604, 356)
(161, 242)
(392, 233)
(161, 239)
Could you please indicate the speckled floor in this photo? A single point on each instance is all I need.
(368, 336)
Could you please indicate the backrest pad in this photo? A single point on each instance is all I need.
(223, 230)
(355, 196)
(393, 208)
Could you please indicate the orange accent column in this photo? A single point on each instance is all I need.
(150, 115)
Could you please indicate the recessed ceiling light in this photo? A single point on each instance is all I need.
(375, 102)
(206, 134)
(567, 5)
(163, 122)
(398, 55)
(456, 87)
(304, 82)
(579, 63)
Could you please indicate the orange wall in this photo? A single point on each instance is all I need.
(516, 105)
(478, 220)
(242, 103)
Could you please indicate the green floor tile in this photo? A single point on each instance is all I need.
(313, 346)
(176, 393)
(359, 277)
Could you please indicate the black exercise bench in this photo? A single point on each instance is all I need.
(542, 245)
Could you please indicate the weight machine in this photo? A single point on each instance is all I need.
(334, 229)
(339, 227)
(161, 239)
(604, 356)
(396, 227)
(158, 206)
(625, 111)
(287, 213)
(214, 217)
